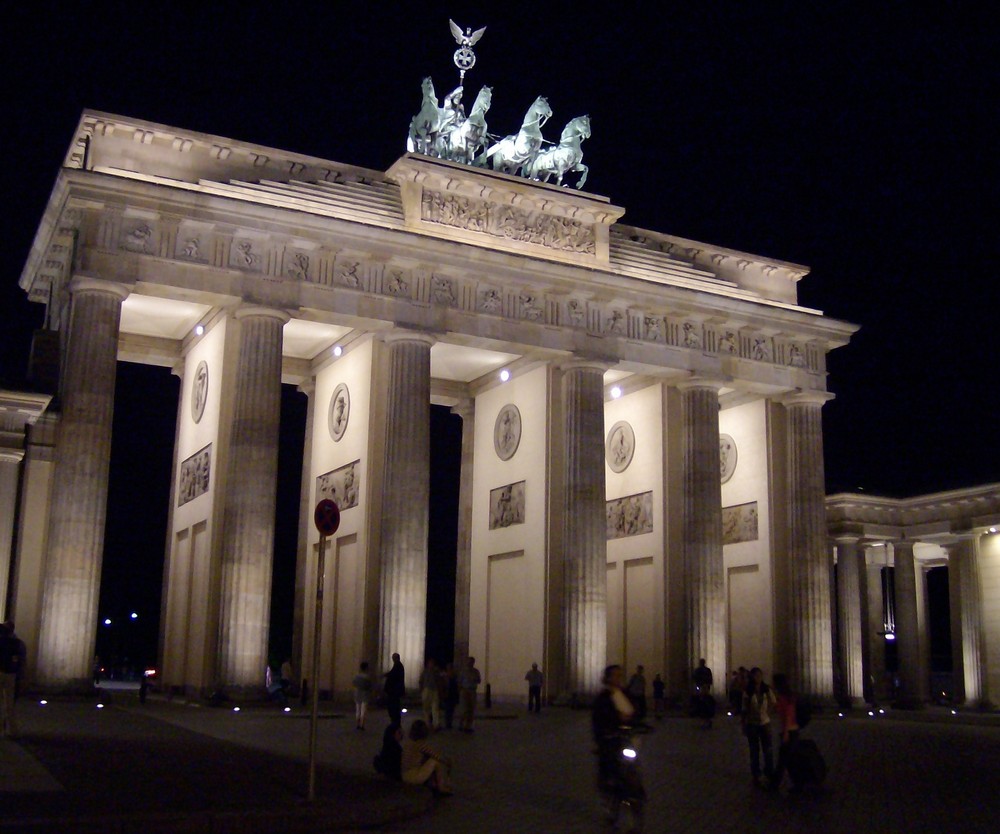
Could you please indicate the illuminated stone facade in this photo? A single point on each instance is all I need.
(378, 294)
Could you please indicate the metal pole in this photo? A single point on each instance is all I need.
(317, 636)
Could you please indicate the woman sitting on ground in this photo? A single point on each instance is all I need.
(422, 764)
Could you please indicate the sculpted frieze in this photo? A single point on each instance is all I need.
(246, 254)
(137, 236)
(443, 291)
(297, 265)
(508, 222)
(490, 301)
(532, 307)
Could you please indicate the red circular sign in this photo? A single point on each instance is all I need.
(327, 517)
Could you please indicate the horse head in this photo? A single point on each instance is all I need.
(539, 112)
(580, 126)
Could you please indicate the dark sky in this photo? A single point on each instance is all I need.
(857, 139)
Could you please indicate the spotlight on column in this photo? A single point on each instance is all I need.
(100, 706)
(871, 714)
(404, 710)
(199, 330)
(881, 711)
(337, 350)
(43, 702)
(890, 636)
(236, 709)
(107, 621)
(504, 375)
(993, 529)
(616, 393)
(288, 709)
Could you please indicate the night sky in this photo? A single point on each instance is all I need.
(857, 139)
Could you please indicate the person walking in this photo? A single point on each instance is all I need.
(636, 690)
(535, 679)
(468, 682)
(395, 689)
(429, 694)
(362, 694)
(12, 658)
(785, 710)
(757, 703)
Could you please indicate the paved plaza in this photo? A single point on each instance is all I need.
(172, 767)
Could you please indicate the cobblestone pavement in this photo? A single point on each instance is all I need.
(536, 773)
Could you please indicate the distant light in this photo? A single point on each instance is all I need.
(840, 715)
(628, 753)
(149, 673)
(107, 621)
(43, 702)
(100, 706)
(871, 714)
(616, 392)
(337, 350)
(730, 714)
(890, 636)
(236, 709)
(404, 710)
(954, 712)
(134, 616)
(199, 329)
(504, 375)
(881, 712)
(288, 709)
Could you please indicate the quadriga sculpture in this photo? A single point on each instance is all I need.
(513, 152)
(563, 158)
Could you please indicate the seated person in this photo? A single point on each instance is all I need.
(389, 760)
(422, 764)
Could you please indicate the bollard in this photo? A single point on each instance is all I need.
(488, 697)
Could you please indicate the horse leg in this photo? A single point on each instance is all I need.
(585, 170)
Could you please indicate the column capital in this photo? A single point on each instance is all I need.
(803, 397)
(307, 386)
(700, 383)
(466, 409)
(254, 311)
(400, 334)
(581, 363)
(86, 284)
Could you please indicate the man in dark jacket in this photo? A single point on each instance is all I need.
(395, 689)
(12, 657)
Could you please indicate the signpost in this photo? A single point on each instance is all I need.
(327, 520)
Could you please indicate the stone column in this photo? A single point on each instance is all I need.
(10, 475)
(907, 628)
(850, 558)
(966, 621)
(304, 554)
(80, 486)
(810, 642)
(704, 576)
(251, 490)
(585, 547)
(463, 566)
(406, 493)
(876, 688)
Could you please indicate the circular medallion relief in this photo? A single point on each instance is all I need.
(620, 446)
(340, 411)
(727, 456)
(507, 432)
(199, 391)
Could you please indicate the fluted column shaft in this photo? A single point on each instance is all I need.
(849, 565)
(907, 626)
(463, 565)
(10, 475)
(967, 638)
(80, 486)
(251, 490)
(704, 577)
(585, 614)
(406, 484)
(876, 688)
(811, 639)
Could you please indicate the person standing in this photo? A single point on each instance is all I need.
(704, 702)
(395, 689)
(468, 682)
(448, 693)
(636, 690)
(12, 657)
(659, 696)
(362, 694)
(535, 679)
(785, 710)
(429, 694)
(757, 702)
